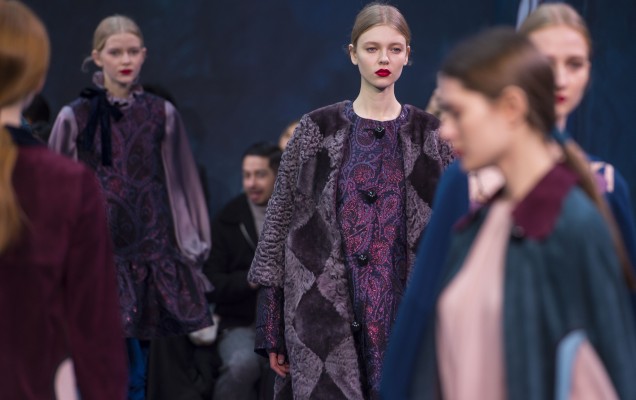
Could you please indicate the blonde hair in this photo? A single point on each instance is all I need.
(375, 14)
(110, 26)
(24, 60)
(555, 14)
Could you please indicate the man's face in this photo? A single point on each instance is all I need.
(258, 179)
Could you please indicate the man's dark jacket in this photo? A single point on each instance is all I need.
(234, 241)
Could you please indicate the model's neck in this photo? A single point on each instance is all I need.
(379, 105)
(525, 164)
(561, 122)
(11, 115)
(115, 89)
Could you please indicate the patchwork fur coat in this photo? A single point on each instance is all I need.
(300, 249)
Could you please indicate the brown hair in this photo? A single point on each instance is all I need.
(110, 26)
(24, 60)
(374, 14)
(556, 14)
(497, 58)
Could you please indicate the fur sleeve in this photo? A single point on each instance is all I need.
(268, 266)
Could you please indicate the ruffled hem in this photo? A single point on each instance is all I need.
(161, 298)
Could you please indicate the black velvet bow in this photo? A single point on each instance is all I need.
(101, 111)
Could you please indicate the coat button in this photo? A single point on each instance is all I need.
(370, 196)
(363, 259)
(355, 326)
(378, 132)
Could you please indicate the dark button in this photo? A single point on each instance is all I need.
(363, 259)
(355, 326)
(517, 232)
(378, 132)
(370, 196)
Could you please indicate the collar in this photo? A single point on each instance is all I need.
(536, 215)
(135, 90)
(23, 137)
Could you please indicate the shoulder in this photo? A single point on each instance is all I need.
(421, 120)
(328, 118)
(153, 98)
(233, 210)
(454, 175)
(53, 179)
(580, 220)
(78, 102)
(43, 161)
(69, 112)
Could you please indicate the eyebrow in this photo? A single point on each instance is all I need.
(377, 44)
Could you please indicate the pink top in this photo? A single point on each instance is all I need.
(470, 332)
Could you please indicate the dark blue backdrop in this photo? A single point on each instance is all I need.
(241, 70)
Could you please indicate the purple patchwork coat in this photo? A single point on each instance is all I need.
(301, 249)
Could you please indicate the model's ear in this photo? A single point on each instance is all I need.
(408, 54)
(353, 54)
(96, 58)
(513, 102)
(144, 53)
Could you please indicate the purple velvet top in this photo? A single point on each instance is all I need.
(371, 216)
(156, 211)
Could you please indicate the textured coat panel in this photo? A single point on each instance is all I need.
(301, 247)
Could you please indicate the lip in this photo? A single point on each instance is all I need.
(560, 99)
(383, 73)
(126, 71)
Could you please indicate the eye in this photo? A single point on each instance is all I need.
(575, 64)
(134, 52)
(449, 112)
(114, 52)
(371, 49)
(396, 50)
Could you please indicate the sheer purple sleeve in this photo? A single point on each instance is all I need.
(63, 138)
(189, 208)
(269, 322)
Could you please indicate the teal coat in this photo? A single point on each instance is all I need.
(562, 280)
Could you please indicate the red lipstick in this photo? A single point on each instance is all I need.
(383, 73)
(560, 99)
(126, 71)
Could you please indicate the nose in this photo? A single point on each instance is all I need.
(249, 181)
(560, 76)
(126, 57)
(384, 57)
(447, 130)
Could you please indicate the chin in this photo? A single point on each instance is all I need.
(468, 165)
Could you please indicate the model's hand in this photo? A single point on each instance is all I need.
(279, 363)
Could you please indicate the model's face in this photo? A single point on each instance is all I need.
(380, 54)
(121, 59)
(568, 52)
(286, 136)
(258, 179)
(472, 123)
